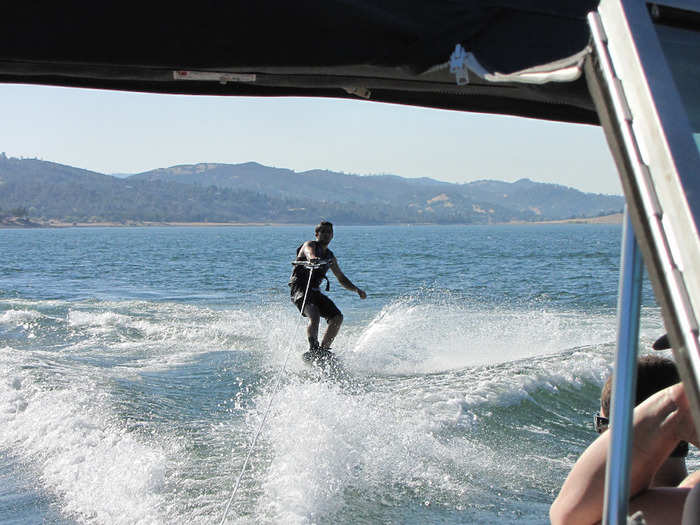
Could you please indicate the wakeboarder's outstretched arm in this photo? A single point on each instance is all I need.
(343, 280)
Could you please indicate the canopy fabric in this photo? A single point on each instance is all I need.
(390, 51)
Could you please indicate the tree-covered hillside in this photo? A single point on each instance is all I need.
(254, 193)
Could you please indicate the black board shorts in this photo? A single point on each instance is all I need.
(326, 307)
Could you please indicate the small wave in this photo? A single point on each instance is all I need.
(98, 470)
(412, 336)
(509, 384)
(79, 319)
(406, 437)
(32, 303)
(326, 444)
(19, 317)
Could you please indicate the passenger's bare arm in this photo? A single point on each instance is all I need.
(344, 281)
(691, 480)
(660, 423)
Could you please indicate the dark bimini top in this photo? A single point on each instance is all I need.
(300, 274)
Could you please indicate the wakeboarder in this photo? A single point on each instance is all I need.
(313, 260)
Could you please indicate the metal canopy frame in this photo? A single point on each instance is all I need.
(651, 140)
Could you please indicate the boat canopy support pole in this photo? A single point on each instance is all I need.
(624, 379)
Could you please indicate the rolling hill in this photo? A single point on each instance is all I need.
(251, 192)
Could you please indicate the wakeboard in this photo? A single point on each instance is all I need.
(323, 360)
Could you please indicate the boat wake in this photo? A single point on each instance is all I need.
(142, 412)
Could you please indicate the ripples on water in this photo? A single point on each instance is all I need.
(137, 365)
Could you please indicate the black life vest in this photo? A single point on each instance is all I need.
(300, 274)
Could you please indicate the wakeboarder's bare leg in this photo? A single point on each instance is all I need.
(332, 330)
(311, 311)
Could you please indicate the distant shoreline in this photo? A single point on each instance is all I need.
(107, 224)
(615, 218)
(22, 224)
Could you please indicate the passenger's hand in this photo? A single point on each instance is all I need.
(685, 422)
(362, 294)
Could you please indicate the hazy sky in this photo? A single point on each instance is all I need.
(117, 132)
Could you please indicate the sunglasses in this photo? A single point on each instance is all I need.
(600, 423)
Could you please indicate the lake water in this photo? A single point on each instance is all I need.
(136, 366)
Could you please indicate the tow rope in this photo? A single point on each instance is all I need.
(311, 266)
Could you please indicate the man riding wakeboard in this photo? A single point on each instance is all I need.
(316, 258)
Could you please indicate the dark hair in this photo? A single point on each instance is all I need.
(654, 373)
(323, 224)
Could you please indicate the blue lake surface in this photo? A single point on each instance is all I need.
(138, 363)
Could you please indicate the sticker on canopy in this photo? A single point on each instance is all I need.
(214, 76)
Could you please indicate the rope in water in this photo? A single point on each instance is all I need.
(269, 405)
